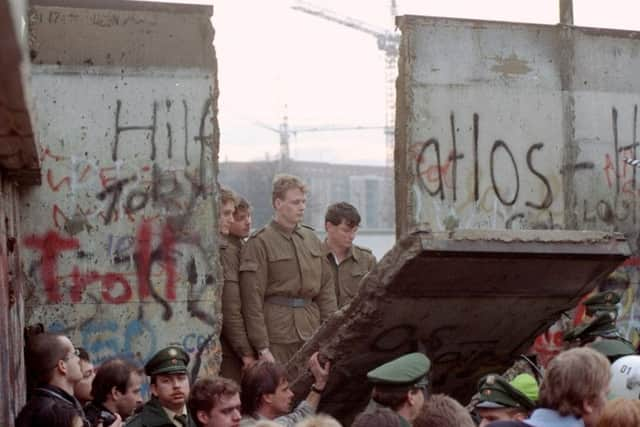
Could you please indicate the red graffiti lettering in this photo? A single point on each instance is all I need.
(56, 187)
(50, 246)
(109, 285)
(168, 242)
(80, 282)
(143, 252)
(609, 168)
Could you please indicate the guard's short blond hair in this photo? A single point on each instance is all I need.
(283, 183)
(572, 378)
(226, 196)
(620, 412)
(440, 410)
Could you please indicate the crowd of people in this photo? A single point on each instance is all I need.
(280, 283)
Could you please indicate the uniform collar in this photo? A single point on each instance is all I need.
(351, 253)
(285, 232)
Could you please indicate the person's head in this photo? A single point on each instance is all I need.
(82, 389)
(625, 378)
(169, 380)
(319, 421)
(442, 411)
(265, 390)
(502, 400)
(241, 224)
(215, 402)
(59, 414)
(620, 412)
(227, 205)
(379, 417)
(341, 222)
(401, 384)
(117, 387)
(52, 359)
(576, 382)
(289, 199)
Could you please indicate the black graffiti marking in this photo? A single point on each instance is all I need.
(120, 129)
(454, 155)
(421, 157)
(577, 166)
(204, 139)
(169, 135)
(116, 190)
(186, 132)
(614, 120)
(548, 198)
(495, 147)
(476, 181)
(509, 222)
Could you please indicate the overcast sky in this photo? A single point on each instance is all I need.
(270, 55)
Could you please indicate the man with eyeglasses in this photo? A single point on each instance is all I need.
(53, 364)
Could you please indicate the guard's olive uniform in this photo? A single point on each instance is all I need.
(349, 273)
(235, 343)
(286, 287)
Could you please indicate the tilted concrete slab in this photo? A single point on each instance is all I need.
(471, 300)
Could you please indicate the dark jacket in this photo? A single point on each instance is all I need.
(152, 415)
(96, 413)
(50, 406)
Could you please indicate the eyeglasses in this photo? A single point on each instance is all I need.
(75, 352)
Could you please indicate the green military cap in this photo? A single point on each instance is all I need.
(409, 370)
(603, 324)
(169, 360)
(613, 348)
(603, 301)
(496, 392)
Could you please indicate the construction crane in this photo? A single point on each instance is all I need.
(285, 131)
(388, 41)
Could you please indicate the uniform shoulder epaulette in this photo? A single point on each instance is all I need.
(308, 227)
(364, 249)
(258, 231)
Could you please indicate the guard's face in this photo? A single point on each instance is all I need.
(490, 415)
(341, 235)
(82, 390)
(281, 399)
(226, 413)
(291, 208)
(241, 224)
(226, 217)
(172, 390)
(128, 402)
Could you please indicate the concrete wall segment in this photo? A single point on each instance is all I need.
(121, 240)
(518, 126)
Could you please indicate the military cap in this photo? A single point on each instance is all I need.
(409, 370)
(169, 360)
(613, 348)
(496, 392)
(603, 324)
(603, 301)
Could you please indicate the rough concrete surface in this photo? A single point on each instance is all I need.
(120, 242)
(471, 304)
(18, 155)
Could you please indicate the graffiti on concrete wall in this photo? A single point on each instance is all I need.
(120, 243)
